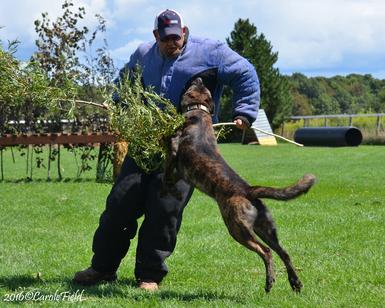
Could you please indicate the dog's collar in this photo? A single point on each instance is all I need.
(197, 107)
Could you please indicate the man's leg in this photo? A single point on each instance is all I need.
(158, 232)
(117, 225)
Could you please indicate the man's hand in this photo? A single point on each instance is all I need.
(240, 124)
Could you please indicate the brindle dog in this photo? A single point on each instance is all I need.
(195, 158)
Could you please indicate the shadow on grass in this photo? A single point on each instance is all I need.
(198, 295)
(64, 180)
(20, 281)
(110, 290)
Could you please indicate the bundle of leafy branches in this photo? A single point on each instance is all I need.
(144, 119)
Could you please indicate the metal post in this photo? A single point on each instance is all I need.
(1, 164)
(32, 149)
(26, 171)
(13, 155)
(378, 125)
(49, 162)
(283, 128)
(58, 163)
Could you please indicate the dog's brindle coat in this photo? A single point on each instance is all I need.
(195, 158)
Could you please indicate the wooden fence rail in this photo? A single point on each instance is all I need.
(56, 138)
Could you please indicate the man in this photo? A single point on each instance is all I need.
(169, 65)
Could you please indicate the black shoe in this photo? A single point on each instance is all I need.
(90, 277)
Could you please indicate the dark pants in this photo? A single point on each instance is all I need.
(133, 195)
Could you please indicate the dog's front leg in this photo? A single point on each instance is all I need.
(170, 172)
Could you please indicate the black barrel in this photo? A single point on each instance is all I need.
(329, 136)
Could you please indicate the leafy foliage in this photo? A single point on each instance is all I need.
(59, 42)
(145, 120)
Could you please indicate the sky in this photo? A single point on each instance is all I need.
(312, 37)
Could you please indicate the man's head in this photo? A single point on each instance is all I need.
(169, 32)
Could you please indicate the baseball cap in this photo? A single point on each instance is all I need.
(168, 22)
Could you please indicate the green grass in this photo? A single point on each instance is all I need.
(334, 234)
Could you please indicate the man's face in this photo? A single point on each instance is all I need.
(171, 45)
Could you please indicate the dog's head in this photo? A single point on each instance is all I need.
(197, 94)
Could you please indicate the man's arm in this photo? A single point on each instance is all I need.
(241, 76)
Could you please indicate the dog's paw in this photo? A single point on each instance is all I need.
(296, 284)
(269, 284)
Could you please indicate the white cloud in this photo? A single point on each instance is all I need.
(122, 9)
(309, 35)
(20, 25)
(316, 34)
(122, 54)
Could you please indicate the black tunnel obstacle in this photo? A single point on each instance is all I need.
(329, 136)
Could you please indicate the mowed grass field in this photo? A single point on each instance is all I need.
(335, 235)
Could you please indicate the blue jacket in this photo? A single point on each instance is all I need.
(212, 60)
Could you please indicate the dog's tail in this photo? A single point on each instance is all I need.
(286, 193)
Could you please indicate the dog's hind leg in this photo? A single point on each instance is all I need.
(265, 253)
(265, 228)
(239, 219)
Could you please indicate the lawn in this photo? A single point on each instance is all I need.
(334, 234)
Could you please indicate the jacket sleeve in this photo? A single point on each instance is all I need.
(238, 73)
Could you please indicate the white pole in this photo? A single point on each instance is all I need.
(262, 131)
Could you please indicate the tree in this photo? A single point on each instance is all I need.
(275, 89)
(66, 53)
(59, 43)
(66, 50)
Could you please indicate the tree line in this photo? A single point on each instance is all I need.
(349, 94)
